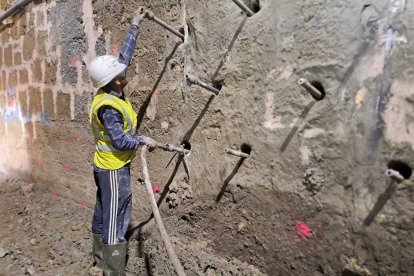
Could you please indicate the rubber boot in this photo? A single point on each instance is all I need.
(114, 256)
(97, 251)
(96, 269)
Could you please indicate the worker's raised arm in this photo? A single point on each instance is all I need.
(130, 42)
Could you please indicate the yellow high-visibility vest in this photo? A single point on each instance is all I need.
(106, 156)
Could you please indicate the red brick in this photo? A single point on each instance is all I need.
(23, 76)
(12, 80)
(17, 59)
(35, 99)
(63, 105)
(50, 74)
(41, 43)
(8, 56)
(48, 103)
(37, 70)
(4, 78)
(28, 45)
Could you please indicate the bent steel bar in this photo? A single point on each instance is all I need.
(168, 147)
(243, 7)
(394, 175)
(194, 80)
(310, 88)
(150, 15)
(13, 9)
(237, 153)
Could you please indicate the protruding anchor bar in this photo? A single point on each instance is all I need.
(394, 175)
(243, 7)
(13, 9)
(172, 148)
(310, 88)
(237, 153)
(194, 80)
(150, 15)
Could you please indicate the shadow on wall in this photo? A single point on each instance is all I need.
(144, 106)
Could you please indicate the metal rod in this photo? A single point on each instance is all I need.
(310, 88)
(394, 175)
(150, 15)
(194, 80)
(172, 148)
(237, 153)
(13, 9)
(166, 239)
(243, 7)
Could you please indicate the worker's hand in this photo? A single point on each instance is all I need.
(138, 16)
(149, 142)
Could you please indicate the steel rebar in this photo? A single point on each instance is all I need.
(394, 175)
(167, 242)
(237, 153)
(150, 15)
(243, 7)
(172, 148)
(13, 9)
(310, 88)
(194, 80)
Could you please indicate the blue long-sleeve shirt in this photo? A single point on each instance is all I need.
(113, 120)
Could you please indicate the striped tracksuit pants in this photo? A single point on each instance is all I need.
(113, 204)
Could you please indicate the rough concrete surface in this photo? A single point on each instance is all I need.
(312, 198)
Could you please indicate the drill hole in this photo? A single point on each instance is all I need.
(318, 85)
(253, 5)
(245, 148)
(400, 167)
(218, 84)
(186, 145)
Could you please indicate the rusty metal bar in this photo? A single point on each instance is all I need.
(172, 148)
(243, 7)
(237, 153)
(150, 15)
(310, 88)
(13, 9)
(394, 175)
(194, 80)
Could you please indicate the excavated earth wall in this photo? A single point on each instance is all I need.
(312, 199)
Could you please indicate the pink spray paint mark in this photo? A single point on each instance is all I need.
(115, 49)
(54, 194)
(66, 166)
(303, 229)
(73, 60)
(156, 189)
(83, 202)
(40, 161)
(79, 137)
(12, 102)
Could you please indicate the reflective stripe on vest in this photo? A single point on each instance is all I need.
(107, 148)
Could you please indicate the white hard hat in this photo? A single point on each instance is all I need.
(103, 69)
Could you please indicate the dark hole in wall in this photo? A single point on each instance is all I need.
(318, 85)
(218, 84)
(347, 272)
(254, 5)
(245, 148)
(400, 167)
(186, 145)
(181, 30)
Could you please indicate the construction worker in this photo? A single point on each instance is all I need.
(114, 122)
